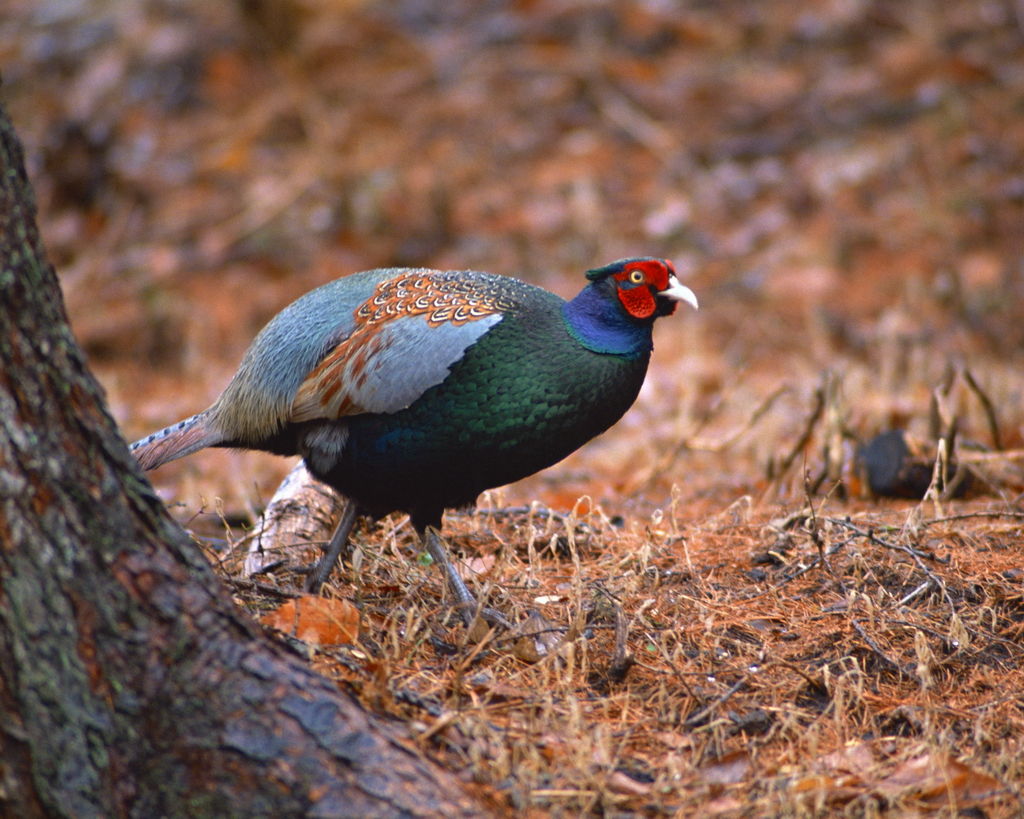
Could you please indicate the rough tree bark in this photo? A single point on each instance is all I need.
(129, 683)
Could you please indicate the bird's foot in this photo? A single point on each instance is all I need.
(472, 612)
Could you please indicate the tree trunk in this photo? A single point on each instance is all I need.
(129, 683)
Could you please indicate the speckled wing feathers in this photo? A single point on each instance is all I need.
(440, 297)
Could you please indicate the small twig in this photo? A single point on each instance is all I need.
(816, 684)
(987, 406)
(813, 564)
(969, 515)
(913, 553)
(881, 654)
(871, 536)
(986, 457)
(812, 422)
(696, 719)
(834, 429)
(723, 443)
(938, 635)
(815, 530)
(622, 661)
(940, 473)
(262, 588)
(916, 592)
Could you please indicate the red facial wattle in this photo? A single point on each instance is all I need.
(637, 294)
(638, 301)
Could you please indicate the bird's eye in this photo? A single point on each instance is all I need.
(636, 276)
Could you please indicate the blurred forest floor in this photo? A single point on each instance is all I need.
(842, 184)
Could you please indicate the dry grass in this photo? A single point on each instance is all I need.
(775, 667)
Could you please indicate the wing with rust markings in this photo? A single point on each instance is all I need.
(385, 366)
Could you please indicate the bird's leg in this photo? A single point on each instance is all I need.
(467, 604)
(436, 548)
(318, 576)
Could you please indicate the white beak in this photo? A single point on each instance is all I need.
(679, 292)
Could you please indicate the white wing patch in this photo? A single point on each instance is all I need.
(384, 366)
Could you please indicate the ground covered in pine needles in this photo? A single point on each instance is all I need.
(721, 609)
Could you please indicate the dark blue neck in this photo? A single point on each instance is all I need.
(597, 321)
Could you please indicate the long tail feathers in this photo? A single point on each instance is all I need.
(175, 441)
